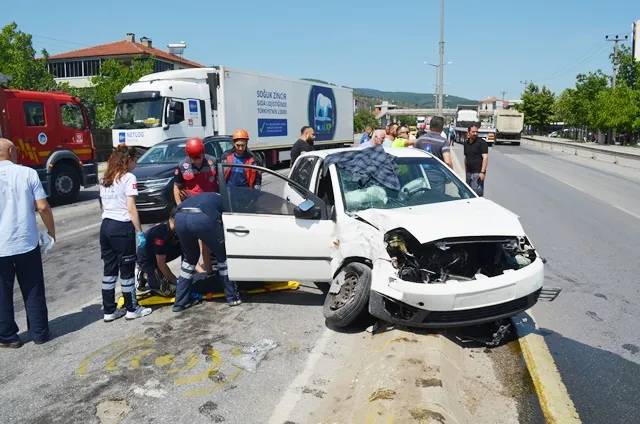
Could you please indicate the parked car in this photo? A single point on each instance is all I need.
(155, 171)
(417, 256)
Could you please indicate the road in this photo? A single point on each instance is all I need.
(168, 368)
(584, 217)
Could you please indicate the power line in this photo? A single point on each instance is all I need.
(62, 41)
(586, 57)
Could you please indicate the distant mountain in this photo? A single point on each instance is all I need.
(409, 99)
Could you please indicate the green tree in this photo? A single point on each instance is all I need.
(576, 106)
(628, 68)
(617, 109)
(113, 77)
(537, 106)
(408, 120)
(363, 118)
(18, 60)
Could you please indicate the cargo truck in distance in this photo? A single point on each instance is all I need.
(216, 101)
(509, 126)
(467, 115)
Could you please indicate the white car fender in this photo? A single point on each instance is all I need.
(356, 239)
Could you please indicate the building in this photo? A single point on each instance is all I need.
(78, 66)
(490, 103)
(359, 104)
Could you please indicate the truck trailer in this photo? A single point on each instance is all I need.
(467, 115)
(509, 126)
(205, 102)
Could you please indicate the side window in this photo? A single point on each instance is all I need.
(179, 109)
(210, 150)
(34, 114)
(72, 116)
(250, 201)
(303, 172)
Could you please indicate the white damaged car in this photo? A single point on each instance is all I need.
(417, 248)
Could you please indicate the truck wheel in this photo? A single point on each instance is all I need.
(65, 184)
(343, 308)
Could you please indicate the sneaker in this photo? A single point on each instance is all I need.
(119, 313)
(235, 302)
(138, 313)
(11, 345)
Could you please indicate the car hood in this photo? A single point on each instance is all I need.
(475, 217)
(154, 170)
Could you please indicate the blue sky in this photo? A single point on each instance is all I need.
(492, 44)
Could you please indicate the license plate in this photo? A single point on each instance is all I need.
(486, 298)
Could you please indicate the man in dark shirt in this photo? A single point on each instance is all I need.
(476, 158)
(161, 248)
(438, 146)
(304, 143)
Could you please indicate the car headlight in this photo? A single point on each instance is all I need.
(156, 184)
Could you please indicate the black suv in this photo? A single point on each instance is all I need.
(155, 171)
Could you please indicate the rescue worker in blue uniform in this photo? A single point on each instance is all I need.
(162, 246)
(118, 232)
(241, 177)
(200, 217)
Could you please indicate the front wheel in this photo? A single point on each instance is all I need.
(65, 184)
(352, 297)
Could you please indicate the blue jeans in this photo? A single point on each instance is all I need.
(28, 268)
(473, 179)
(190, 228)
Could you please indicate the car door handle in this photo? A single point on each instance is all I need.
(238, 230)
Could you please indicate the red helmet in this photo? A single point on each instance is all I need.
(194, 148)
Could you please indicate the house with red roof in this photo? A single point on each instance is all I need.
(78, 66)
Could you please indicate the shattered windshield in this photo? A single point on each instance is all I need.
(137, 114)
(422, 181)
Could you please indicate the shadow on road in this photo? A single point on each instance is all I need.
(73, 322)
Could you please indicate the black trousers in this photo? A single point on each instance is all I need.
(28, 268)
(118, 249)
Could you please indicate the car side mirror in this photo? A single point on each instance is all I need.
(307, 210)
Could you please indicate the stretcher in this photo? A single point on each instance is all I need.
(152, 299)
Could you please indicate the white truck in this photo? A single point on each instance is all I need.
(509, 126)
(468, 115)
(205, 102)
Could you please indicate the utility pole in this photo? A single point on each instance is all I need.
(616, 39)
(503, 93)
(441, 79)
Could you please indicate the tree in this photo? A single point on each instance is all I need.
(18, 60)
(628, 68)
(576, 106)
(617, 109)
(537, 106)
(113, 77)
(408, 120)
(363, 118)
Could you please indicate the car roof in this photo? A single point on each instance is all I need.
(401, 152)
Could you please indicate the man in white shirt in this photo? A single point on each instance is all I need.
(21, 194)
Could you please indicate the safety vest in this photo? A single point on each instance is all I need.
(249, 173)
(201, 180)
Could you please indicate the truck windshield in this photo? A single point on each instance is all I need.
(142, 113)
(422, 181)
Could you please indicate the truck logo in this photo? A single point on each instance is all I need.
(193, 106)
(121, 137)
(42, 138)
(322, 112)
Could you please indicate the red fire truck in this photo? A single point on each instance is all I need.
(52, 132)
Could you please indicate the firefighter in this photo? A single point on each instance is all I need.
(118, 233)
(240, 154)
(200, 217)
(196, 174)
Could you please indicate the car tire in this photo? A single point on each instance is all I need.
(65, 184)
(343, 308)
(517, 143)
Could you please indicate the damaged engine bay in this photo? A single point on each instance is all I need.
(456, 259)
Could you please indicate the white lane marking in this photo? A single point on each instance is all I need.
(72, 233)
(292, 396)
(535, 168)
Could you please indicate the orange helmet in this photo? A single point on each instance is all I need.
(240, 134)
(194, 148)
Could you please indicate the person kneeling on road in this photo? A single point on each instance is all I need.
(162, 247)
(200, 218)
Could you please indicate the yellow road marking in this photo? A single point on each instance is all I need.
(135, 362)
(556, 404)
(164, 360)
(216, 360)
(192, 362)
(213, 388)
(111, 362)
(82, 369)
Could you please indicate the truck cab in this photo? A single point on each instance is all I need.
(52, 132)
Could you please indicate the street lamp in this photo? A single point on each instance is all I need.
(437, 69)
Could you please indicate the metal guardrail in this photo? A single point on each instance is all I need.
(597, 153)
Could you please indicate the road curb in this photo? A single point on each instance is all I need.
(555, 402)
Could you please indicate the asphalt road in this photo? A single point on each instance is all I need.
(584, 217)
(168, 368)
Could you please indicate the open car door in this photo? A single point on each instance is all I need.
(269, 238)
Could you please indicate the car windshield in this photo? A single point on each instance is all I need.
(140, 113)
(164, 153)
(422, 181)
